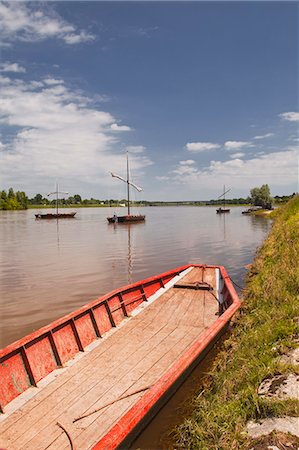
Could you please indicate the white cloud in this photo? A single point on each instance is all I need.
(135, 148)
(277, 169)
(56, 133)
(237, 145)
(31, 23)
(237, 155)
(290, 116)
(264, 136)
(12, 67)
(201, 146)
(188, 162)
(52, 81)
(116, 127)
(185, 170)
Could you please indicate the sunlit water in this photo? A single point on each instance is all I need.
(49, 267)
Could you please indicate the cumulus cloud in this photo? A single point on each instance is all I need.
(237, 145)
(57, 133)
(264, 136)
(276, 168)
(290, 116)
(11, 67)
(116, 127)
(187, 162)
(201, 146)
(31, 23)
(237, 155)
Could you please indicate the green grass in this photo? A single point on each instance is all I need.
(265, 326)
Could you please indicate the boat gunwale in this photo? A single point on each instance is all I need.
(137, 413)
(83, 309)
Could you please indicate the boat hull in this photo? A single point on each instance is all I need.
(126, 219)
(222, 210)
(55, 216)
(165, 334)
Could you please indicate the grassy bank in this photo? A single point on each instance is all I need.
(263, 329)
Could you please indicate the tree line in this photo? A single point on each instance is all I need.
(13, 200)
(260, 196)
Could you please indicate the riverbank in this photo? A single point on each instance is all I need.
(264, 329)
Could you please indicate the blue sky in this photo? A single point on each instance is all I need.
(202, 94)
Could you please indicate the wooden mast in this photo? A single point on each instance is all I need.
(128, 184)
(57, 199)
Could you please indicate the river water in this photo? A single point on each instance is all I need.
(49, 268)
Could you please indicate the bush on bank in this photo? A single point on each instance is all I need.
(266, 325)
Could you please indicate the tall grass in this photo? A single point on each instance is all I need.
(265, 326)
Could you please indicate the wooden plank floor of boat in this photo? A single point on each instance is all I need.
(134, 357)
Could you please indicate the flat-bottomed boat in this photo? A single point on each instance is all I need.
(94, 378)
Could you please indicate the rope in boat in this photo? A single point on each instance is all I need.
(111, 403)
(235, 283)
(68, 435)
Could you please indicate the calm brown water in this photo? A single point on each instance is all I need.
(49, 268)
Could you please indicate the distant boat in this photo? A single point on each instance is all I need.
(56, 215)
(223, 209)
(252, 209)
(128, 218)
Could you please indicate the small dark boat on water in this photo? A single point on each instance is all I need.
(57, 215)
(223, 209)
(128, 218)
(253, 209)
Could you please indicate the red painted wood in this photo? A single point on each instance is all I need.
(152, 287)
(65, 342)
(14, 378)
(41, 358)
(115, 308)
(102, 319)
(85, 329)
(133, 299)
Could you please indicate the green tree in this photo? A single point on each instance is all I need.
(261, 196)
(11, 193)
(77, 198)
(22, 199)
(38, 199)
(3, 200)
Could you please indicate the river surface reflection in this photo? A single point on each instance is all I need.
(49, 268)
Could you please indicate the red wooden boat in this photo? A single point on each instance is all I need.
(94, 378)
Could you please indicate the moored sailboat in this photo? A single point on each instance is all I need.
(128, 218)
(223, 209)
(57, 215)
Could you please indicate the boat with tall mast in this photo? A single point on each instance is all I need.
(56, 215)
(128, 218)
(223, 209)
